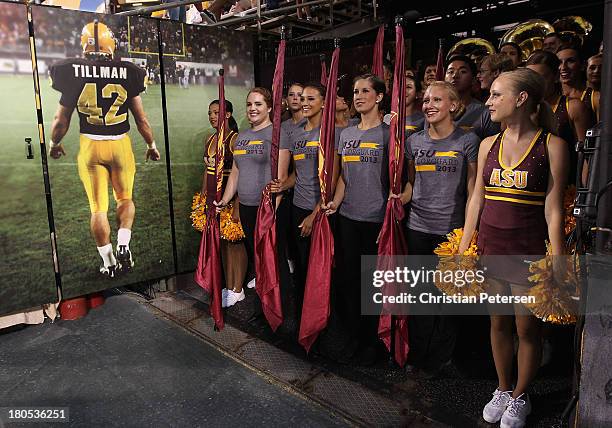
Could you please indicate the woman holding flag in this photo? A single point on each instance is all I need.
(361, 196)
(233, 254)
(250, 174)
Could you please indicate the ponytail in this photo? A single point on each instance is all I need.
(232, 124)
(546, 118)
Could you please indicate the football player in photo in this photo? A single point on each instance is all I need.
(103, 90)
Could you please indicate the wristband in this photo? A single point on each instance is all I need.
(54, 145)
(152, 146)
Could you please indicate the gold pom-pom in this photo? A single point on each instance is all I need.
(554, 303)
(569, 198)
(451, 260)
(230, 230)
(198, 211)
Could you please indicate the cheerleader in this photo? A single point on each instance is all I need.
(573, 118)
(251, 172)
(361, 196)
(233, 254)
(517, 203)
(442, 172)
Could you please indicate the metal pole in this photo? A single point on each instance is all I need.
(604, 215)
(259, 16)
(375, 6)
(272, 12)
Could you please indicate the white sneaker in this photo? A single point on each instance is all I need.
(494, 409)
(232, 298)
(516, 412)
(251, 283)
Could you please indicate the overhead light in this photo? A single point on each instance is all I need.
(512, 2)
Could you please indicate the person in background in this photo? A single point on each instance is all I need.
(571, 72)
(573, 117)
(294, 105)
(593, 74)
(415, 120)
(429, 75)
(513, 51)
(490, 68)
(518, 225)
(461, 72)
(361, 197)
(552, 42)
(441, 175)
(233, 254)
(343, 115)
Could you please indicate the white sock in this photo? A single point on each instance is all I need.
(123, 237)
(106, 252)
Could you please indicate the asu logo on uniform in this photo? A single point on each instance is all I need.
(508, 178)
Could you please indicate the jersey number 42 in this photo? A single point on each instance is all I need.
(87, 104)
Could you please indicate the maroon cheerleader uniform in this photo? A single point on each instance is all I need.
(512, 220)
(565, 130)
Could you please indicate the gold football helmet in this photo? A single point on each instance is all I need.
(97, 39)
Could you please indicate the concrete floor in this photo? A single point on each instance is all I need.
(124, 365)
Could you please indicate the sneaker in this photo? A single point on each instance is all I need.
(231, 298)
(109, 271)
(516, 412)
(495, 408)
(251, 283)
(124, 258)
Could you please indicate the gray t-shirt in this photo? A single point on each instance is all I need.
(365, 170)
(440, 186)
(288, 127)
(471, 116)
(414, 123)
(304, 148)
(252, 157)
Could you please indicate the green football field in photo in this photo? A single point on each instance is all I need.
(79, 261)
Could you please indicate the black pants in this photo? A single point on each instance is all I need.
(432, 337)
(302, 246)
(248, 218)
(354, 239)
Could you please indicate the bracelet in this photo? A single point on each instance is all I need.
(152, 146)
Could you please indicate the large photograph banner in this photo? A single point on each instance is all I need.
(192, 58)
(101, 102)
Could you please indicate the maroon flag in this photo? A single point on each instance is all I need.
(266, 263)
(440, 72)
(323, 71)
(377, 63)
(391, 242)
(315, 310)
(208, 273)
